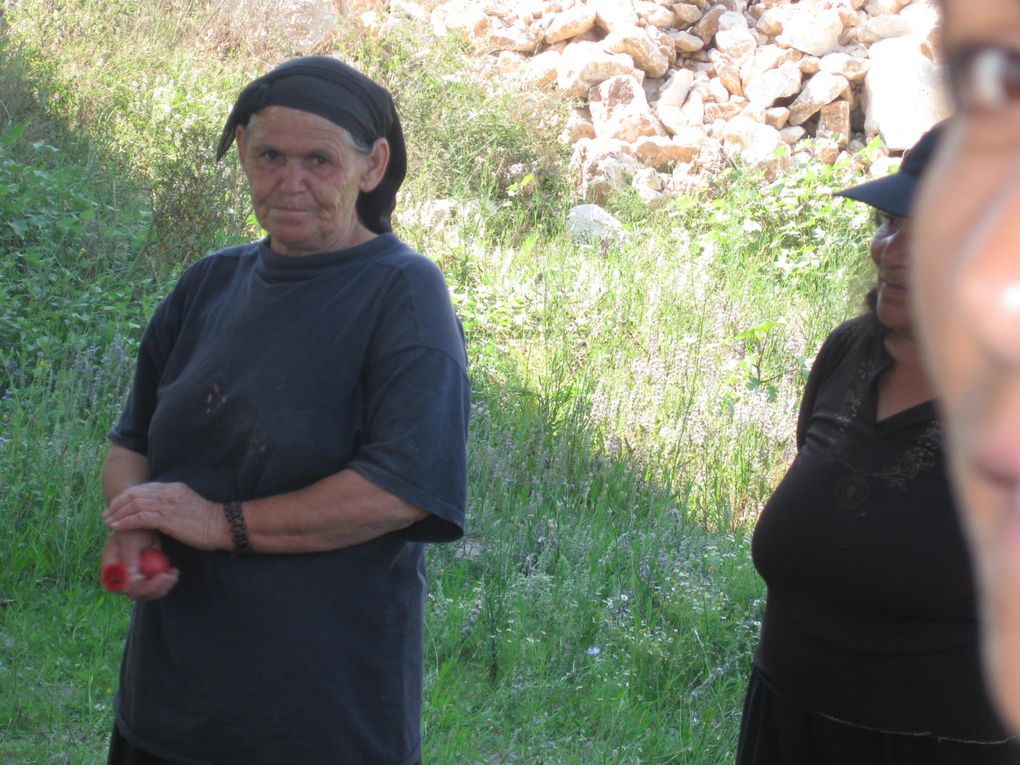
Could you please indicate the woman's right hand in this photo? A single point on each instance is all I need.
(125, 548)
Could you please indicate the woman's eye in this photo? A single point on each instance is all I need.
(986, 77)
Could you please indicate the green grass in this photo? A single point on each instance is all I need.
(634, 401)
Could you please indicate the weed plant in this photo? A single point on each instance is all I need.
(634, 399)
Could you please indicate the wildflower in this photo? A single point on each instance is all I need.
(593, 650)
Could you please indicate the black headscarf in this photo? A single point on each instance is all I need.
(344, 96)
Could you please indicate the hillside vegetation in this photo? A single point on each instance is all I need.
(634, 401)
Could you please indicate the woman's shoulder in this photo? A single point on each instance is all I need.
(419, 273)
(861, 334)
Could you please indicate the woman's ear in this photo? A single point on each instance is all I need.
(376, 166)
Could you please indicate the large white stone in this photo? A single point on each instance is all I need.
(590, 222)
(737, 43)
(541, 70)
(638, 44)
(686, 14)
(904, 93)
(620, 110)
(771, 22)
(885, 7)
(851, 67)
(657, 151)
(883, 27)
(672, 97)
(731, 20)
(768, 87)
(298, 26)
(570, 23)
(751, 140)
(601, 166)
(654, 15)
(685, 42)
(520, 37)
(814, 33)
(823, 88)
(612, 15)
(583, 65)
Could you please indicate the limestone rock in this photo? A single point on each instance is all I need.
(823, 88)
(792, 134)
(540, 71)
(570, 23)
(601, 167)
(884, 7)
(585, 64)
(770, 23)
(834, 123)
(659, 151)
(685, 42)
(768, 87)
(590, 222)
(579, 125)
(737, 43)
(686, 14)
(636, 43)
(883, 27)
(620, 110)
(904, 93)
(852, 68)
(514, 37)
(299, 27)
(754, 142)
(777, 117)
(709, 23)
(655, 15)
(612, 15)
(728, 72)
(816, 34)
(672, 97)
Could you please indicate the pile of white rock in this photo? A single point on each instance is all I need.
(667, 92)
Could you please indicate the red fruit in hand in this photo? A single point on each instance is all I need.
(153, 562)
(114, 577)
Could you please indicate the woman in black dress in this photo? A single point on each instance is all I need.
(869, 647)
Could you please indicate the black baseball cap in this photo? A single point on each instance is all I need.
(894, 193)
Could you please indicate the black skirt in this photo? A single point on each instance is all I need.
(775, 732)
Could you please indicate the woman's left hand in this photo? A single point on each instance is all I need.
(172, 509)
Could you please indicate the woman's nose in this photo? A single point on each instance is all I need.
(293, 176)
(988, 284)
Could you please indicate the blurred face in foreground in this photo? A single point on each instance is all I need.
(966, 251)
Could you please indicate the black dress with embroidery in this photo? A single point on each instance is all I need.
(871, 616)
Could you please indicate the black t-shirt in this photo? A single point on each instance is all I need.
(870, 616)
(258, 375)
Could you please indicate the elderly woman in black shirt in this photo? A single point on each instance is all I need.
(296, 429)
(869, 650)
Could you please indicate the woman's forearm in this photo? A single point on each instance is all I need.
(338, 511)
(123, 469)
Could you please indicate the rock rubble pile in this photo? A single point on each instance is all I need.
(667, 92)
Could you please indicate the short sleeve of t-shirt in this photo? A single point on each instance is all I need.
(417, 402)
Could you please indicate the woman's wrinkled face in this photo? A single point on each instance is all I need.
(966, 253)
(305, 177)
(890, 249)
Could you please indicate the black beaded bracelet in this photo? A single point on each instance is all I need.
(238, 528)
